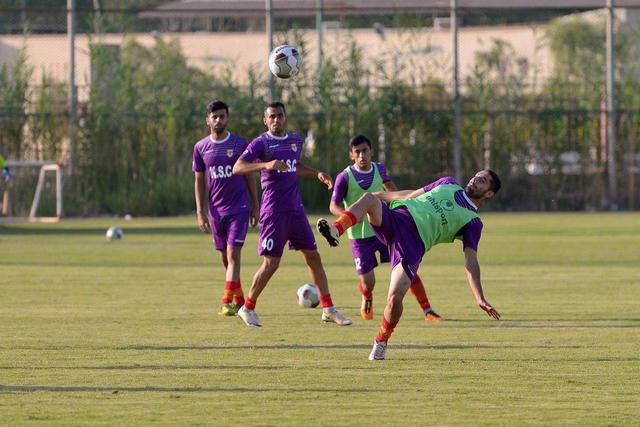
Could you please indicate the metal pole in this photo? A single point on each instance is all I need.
(611, 112)
(457, 161)
(97, 20)
(269, 30)
(58, 191)
(71, 34)
(23, 16)
(319, 19)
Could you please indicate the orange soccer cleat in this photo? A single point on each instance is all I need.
(366, 309)
(432, 316)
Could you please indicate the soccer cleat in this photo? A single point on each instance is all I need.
(328, 231)
(332, 315)
(249, 317)
(366, 309)
(432, 316)
(378, 351)
(228, 309)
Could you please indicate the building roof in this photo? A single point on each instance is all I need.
(245, 8)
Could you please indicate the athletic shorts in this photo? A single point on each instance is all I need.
(399, 232)
(229, 229)
(364, 253)
(276, 229)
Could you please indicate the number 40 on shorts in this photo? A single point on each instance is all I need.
(267, 244)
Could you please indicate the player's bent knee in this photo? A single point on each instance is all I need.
(369, 199)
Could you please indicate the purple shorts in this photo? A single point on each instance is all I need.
(398, 231)
(229, 229)
(276, 229)
(364, 253)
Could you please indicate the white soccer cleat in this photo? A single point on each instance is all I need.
(328, 231)
(378, 351)
(249, 317)
(332, 315)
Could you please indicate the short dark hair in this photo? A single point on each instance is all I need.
(215, 105)
(359, 139)
(495, 181)
(275, 104)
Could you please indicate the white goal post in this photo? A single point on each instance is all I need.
(45, 166)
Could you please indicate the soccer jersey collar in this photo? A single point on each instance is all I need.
(364, 172)
(279, 138)
(464, 193)
(222, 140)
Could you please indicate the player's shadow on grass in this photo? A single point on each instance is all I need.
(115, 390)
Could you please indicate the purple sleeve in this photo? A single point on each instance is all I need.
(254, 151)
(471, 233)
(383, 173)
(198, 163)
(340, 187)
(441, 181)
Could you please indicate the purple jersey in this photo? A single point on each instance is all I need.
(364, 179)
(280, 191)
(227, 192)
(471, 231)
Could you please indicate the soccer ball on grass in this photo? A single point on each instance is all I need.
(308, 296)
(284, 61)
(114, 233)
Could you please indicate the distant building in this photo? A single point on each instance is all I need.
(249, 15)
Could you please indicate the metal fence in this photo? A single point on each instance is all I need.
(435, 99)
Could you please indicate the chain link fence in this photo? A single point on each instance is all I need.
(532, 90)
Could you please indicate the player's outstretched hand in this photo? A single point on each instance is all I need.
(325, 178)
(491, 312)
(203, 223)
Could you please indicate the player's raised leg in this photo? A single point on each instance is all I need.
(368, 205)
(247, 312)
(319, 277)
(400, 283)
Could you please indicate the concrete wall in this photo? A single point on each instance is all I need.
(423, 53)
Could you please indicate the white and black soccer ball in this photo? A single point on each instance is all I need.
(114, 233)
(284, 61)
(308, 296)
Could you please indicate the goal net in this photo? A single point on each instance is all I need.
(34, 192)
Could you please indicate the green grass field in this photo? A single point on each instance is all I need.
(126, 332)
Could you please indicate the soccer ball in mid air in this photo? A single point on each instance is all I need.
(308, 296)
(284, 61)
(114, 233)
